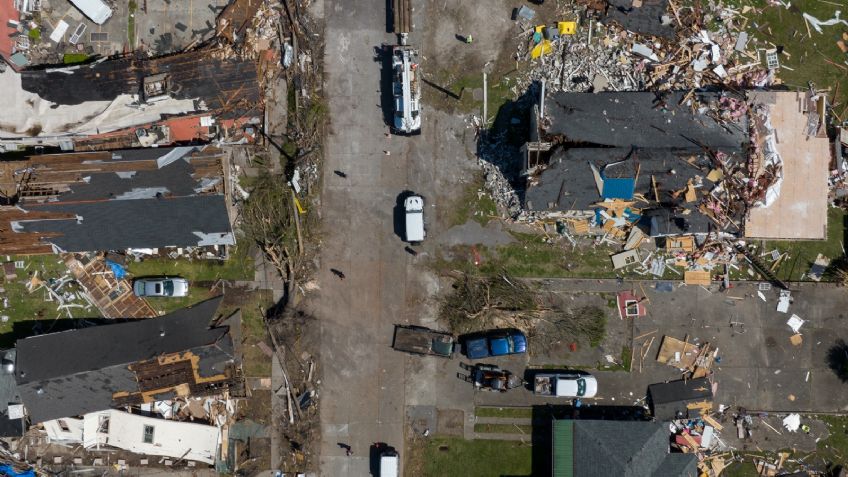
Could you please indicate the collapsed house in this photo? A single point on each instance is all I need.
(59, 106)
(626, 448)
(95, 201)
(73, 373)
(621, 164)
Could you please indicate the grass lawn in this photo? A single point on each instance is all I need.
(803, 253)
(473, 204)
(461, 86)
(195, 295)
(513, 412)
(531, 257)
(478, 458)
(23, 305)
(73, 58)
(238, 267)
(503, 428)
(256, 363)
(808, 54)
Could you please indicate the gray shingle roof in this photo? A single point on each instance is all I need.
(74, 372)
(625, 449)
(625, 119)
(667, 399)
(142, 223)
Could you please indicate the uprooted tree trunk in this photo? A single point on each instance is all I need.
(474, 300)
(268, 220)
(587, 323)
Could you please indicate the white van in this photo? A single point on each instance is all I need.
(95, 10)
(414, 208)
(389, 464)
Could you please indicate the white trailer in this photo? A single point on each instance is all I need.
(95, 10)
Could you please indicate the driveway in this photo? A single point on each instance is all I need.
(759, 369)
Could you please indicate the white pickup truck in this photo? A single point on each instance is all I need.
(565, 385)
(414, 209)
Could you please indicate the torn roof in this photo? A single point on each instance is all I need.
(139, 223)
(577, 179)
(645, 19)
(79, 371)
(641, 119)
(622, 448)
(204, 75)
(104, 96)
(93, 201)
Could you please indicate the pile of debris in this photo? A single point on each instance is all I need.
(701, 436)
(692, 359)
(658, 47)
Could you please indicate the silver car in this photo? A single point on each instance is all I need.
(161, 286)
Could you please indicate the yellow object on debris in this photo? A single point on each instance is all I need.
(299, 207)
(543, 48)
(567, 28)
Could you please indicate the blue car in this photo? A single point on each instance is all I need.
(495, 343)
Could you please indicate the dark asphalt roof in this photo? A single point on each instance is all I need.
(220, 83)
(175, 178)
(666, 399)
(141, 223)
(568, 183)
(625, 449)
(625, 119)
(75, 372)
(645, 20)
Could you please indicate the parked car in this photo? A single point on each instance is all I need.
(161, 286)
(421, 340)
(489, 377)
(565, 385)
(413, 207)
(495, 343)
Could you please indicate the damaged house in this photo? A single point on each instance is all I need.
(96, 201)
(583, 448)
(82, 371)
(61, 106)
(635, 164)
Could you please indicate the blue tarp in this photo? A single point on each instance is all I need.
(117, 269)
(10, 471)
(618, 188)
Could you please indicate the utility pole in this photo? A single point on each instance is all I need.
(485, 101)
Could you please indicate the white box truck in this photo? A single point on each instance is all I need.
(389, 464)
(414, 208)
(95, 10)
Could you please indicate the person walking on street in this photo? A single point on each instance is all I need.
(468, 39)
(348, 450)
(340, 174)
(338, 273)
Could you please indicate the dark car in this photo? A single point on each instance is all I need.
(495, 343)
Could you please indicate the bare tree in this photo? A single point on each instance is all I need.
(267, 220)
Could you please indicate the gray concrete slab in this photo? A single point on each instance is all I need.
(759, 368)
(164, 26)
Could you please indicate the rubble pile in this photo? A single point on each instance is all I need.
(606, 56)
(494, 159)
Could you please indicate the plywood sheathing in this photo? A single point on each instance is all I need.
(113, 297)
(800, 212)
